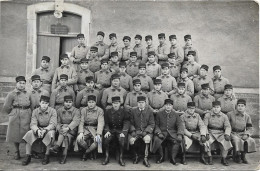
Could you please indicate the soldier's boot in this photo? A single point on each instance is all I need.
(17, 155)
(27, 160)
(121, 160)
(243, 157)
(84, 145)
(46, 159)
(183, 158)
(65, 151)
(202, 155)
(210, 160)
(136, 158)
(106, 161)
(160, 158)
(175, 149)
(237, 157)
(224, 161)
(92, 147)
(146, 153)
(55, 149)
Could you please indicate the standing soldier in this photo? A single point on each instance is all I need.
(133, 65)
(127, 49)
(192, 66)
(228, 100)
(242, 130)
(169, 127)
(219, 82)
(57, 96)
(116, 127)
(90, 128)
(114, 62)
(175, 67)
(67, 123)
(100, 44)
(78, 52)
(94, 60)
(43, 124)
(65, 68)
(17, 107)
(102, 77)
(219, 130)
(195, 131)
(141, 128)
(45, 72)
(188, 47)
(162, 50)
(149, 48)
(82, 72)
(126, 80)
(113, 47)
(189, 85)
(176, 49)
(153, 69)
(139, 49)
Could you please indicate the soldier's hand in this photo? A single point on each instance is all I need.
(161, 136)
(39, 133)
(80, 137)
(65, 130)
(244, 137)
(133, 134)
(122, 135)
(107, 134)
(227, 137)
(144, 133)
(207, 137)
(97, 138)
(195, 137)
(179, 138)
(43, 132)
(203, 138)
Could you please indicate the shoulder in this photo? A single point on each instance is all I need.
(100, 109)
(51, 110)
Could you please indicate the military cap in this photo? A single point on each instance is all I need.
(187, 37)
(168, 101)
(93, 48)
(216, 103)
(206, 67)
(20, 78)
(151, 53)
(45, 98)
(241, 101)
(138, 36)
(84, 60)
(180, 84)
(136, 81)
(133, 53)
(141, 98)
(173, 36)
(127, 38)
(193, 53)
(228, 86)
(157, 81)
(46, 58)
(184, 70)
(101, 33)
(104, 61)
(191, 104)
(116, 99)
(122, 63)
(35, 77)
(92, 97)
(114, 54)
(142, 65)
(62, 56)
(204, 86)
(112, 35)
(161, 35)
(115, 76)
(148, 37)
(68, 98)
(64, 76)
(89, 79)
(80, 36)
(216, 67)
(164, 65)
(171, 55)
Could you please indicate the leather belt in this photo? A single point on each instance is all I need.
(236, 130)
(90, 124)
(21, 107)
(216, 128)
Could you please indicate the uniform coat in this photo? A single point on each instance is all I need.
(36, 95)
(46, 75)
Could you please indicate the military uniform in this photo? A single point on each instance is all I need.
(168, 83)
(36, 95)
(150, 48)
(82, 74)
(126, 81)
(162, 53)
(189, 85)
(198, 81)
(46, 75)
(178, 52)
(140, 50)
(110, 92)
(219, 84)
(156, 98)
(186, 49)
(180, 101)
(228, 104)
(193, 68)
(82, 97)
(153, 69)
(114, 66)
(113, 48)
(126, 53)
(131, 100)
(203, 103)
(78, 52)
(101, 48)
(146, 82)
(132, 69)
(103, 77)
(175, 69)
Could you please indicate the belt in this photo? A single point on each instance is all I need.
(21, 107)
(192, 129)
(90, 124)
(236, 130)
(46, 82)
(219, 92)
(216, 128)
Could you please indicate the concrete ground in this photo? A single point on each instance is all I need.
(74, 163)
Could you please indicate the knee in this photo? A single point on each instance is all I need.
(132, 141)
(147, 139)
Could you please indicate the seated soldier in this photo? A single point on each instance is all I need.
(189, 85)
(102, 77)
(67, 123)
(218, 82)
(228, 100)
(189, 47)
(195, 131)
(219, 130)
(43, 123)
(153, 69)
(114, 62)
(126, 80)
(192, 66)
(90, 128)
(94, 60)
(133, 65)
(141, 128)
(174, 65)
(242, 130)
(116, 127)
(169, 127)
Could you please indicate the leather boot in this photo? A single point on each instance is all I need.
(175, 149)
(46, 159)
(160, 158)
(243, 157)
(237, 157)
(27, 160)
(202, 155)
(84, 156)
(146, 153)
(63, 159)
(55, 149)
(17, 155)
(136, 158)
(224, 161)
(183, 158)
(121, 161)
(106, 161)
(210, 160)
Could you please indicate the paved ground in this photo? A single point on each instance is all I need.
(73, 163)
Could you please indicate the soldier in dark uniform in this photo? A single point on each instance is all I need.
(116, 127)
(142, 126)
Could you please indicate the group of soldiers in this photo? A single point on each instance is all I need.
(142, 98)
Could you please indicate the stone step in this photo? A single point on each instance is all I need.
(3, 128)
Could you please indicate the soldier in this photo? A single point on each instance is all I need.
(175, 68)
(81, 99)
(162, 50)
(195, 132)
(43, 124)
(45, 72)
(242, 130)
(153, 69)
(149, 48)
(141, 128)
(133, 65)
(192, 66)
(65, 68)
(176, 49)
(180, 99)
(78, 52)
(147, 82)
(126, 80)
(113, 47)
(169, 84)
(114, 62)
(219, 130)
(156, 97)
(67, 123)
(219, 82)
(228, 100)
(90, 128)
(17, 107)
(203, 100)
(139, 49)
(188, 47)
(117, 124)
(127, 49)
(94, 60)
(57, 96)
(102, 77)
(100, 44)
(114, 90)
(169, 127)
(189, 85)
(37, 91)
(131, 97)
(203, 78)
(82, 73)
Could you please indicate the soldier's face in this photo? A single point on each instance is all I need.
(228, 92)
(116, 82)
(137, 87)
(104, 66)
(137, 41)
(151, 58)
(68, 104)
(81, 40)
(141, 104)
(84, 65)
(91, 104)
(126, 42)
(184, 74)
(20, 85)
(45, 64)
(241, 108)
(149, 42)
(165, 70)
(113, 40)
(157, 87)
(173, 41)
(203, 72)
(188, 42)
(114, 58)
(116, 105)
(172, 60)
(122, 68)
(217, 73)
(133, 58)
(93, 53)
(181, 90)
(142, 70)
(216, 109)
(63, 82)
(36, 84)
(161, 40)
(190, 58)
(90, 84)
(65, 61)
(44, 105)
(100, 38)
(191, 110)
(205, 91)
(168, 107)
